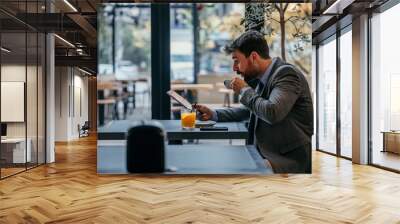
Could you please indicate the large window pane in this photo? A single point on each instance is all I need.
(346, 94)
(23, 89)
(327, 97)
(41, 98)
(385, 86)
(295, 47)
(314, 93)
(13, 84)
(105, 40)
(219, 25)
(124, 81)
(182, 54)
(205, 28)
(32, 89)
(31, 98)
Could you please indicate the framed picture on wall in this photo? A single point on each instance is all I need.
(12, 101)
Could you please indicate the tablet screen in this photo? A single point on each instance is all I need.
(180, 99)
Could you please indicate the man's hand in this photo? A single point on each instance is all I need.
(238, 84)
(205, 112)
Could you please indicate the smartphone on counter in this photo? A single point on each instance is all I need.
(214, 129)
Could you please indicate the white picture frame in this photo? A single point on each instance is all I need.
(12, 101)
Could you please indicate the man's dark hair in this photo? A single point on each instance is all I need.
(248, 42)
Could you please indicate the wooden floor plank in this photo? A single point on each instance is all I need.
(70, 191)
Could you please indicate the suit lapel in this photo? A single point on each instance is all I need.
(264, 94)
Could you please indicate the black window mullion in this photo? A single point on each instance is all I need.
(160, 61)
(317, 96)
(369, 90)
(26, 86)
(338, 94)
(45, 87)
(37, 90)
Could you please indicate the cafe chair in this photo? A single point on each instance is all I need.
(145, 152)
(84, 130)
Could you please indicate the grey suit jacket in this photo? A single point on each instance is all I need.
(282, 115)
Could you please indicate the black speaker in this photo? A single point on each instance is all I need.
(146, 148)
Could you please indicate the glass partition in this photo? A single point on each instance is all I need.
(346, 94)
(124, 81)
(31, 97)
(198, 64)
(182, 45)
(327, 96)
(41, 97)
(220, 24)
(22, 90)
(385, 89)
(314, 94)
(14, 153)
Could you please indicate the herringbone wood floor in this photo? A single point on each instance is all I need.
(70, 191)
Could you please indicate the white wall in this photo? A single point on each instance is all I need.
(14, 73)
(61, 103)
(33, 126)
(71, 94)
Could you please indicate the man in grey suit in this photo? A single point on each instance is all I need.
(276, 97)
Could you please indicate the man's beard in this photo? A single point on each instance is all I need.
(250, 79)
(252, 82)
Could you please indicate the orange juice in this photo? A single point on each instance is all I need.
(188, 119)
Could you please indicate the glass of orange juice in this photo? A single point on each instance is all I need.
(188, 118)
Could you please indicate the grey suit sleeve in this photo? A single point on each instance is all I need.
(233, 114)
(285, 91)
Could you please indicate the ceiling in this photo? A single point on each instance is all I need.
(74, 21)
(330, 15)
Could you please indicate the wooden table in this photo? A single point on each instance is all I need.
(186, 87)
(106, 101)
(391, 141)
(14, 151)
(116, 130)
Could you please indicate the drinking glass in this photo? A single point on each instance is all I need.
(188, 118)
